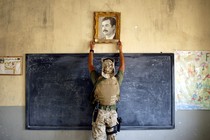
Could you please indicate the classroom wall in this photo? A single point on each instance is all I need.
(66, 26)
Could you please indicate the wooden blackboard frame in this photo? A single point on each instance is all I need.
(83, 57)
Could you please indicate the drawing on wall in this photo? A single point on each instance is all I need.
(106, 27)
(10, 65)
(192, 80)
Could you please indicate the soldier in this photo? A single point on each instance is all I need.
(106, 95)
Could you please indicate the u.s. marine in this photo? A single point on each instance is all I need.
(106, 95)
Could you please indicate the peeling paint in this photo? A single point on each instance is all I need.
(171, 6)
(45, 17)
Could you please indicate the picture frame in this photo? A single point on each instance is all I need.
(11, 65)
(107, 27)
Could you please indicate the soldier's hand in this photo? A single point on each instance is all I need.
(119, 44)
(92, 45)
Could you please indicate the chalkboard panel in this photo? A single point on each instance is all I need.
(58, 89)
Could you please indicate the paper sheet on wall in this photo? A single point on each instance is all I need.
(192, 80)
(10, 65)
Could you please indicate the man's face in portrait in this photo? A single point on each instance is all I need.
(107, 28)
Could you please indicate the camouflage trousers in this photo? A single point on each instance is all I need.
(104, 119)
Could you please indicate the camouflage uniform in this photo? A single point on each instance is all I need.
(107, 117)
(104, 119)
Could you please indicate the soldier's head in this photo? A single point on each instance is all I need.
(108, 67)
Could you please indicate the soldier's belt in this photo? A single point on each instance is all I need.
(108, 107)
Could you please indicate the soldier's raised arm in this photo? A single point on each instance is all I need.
(122, 61)
(90, 57)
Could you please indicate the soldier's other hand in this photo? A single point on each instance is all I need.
(119, 44)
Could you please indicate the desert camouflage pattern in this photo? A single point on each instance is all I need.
(104, 119)
(108, 68)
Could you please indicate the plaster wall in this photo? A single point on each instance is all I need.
(66, 26)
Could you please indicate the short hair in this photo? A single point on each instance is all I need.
(111, 19)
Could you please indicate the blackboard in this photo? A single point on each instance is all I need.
(58, 90)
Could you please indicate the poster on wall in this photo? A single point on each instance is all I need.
(192, 80)
(10, 65)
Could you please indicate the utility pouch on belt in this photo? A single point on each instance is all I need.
(95, 114)
(115, 128)
(119, 119)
